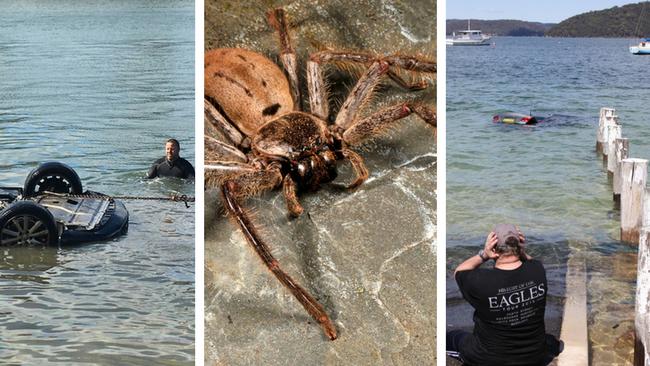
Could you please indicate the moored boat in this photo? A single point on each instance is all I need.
(643, 48)
(469, 37)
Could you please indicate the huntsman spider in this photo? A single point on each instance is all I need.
(268, 141)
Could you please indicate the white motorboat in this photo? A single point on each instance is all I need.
(469, 37)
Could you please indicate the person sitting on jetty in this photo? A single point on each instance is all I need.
(171, 165)
(509, 302)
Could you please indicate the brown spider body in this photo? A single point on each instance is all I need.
(304, 143)
(236, 77)
(266, 141)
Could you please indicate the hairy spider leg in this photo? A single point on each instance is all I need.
(212, 117)
(354, 130)
(360, 94)
(358, 166)
(217, 150)
(289, 189)
(317, 90)
(428, 114)
(410, 63)
(414, 86)
(310, 304)
(250, 179)
(379, 122)
(278, 20)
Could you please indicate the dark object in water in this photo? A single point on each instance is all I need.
(514, 118)
(52, 209)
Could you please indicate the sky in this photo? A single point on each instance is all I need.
(547, 11)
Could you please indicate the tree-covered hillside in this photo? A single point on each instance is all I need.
(506, 27)
(619, 21)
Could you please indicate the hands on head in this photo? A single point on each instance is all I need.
(492, 240)
(522, 244)
(489, 252)
(490, 245)
(522, 238)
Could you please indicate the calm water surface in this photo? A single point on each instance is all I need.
(547, 178)
(100, 87)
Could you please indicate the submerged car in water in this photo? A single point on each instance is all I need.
(52, 208)
(515, 118)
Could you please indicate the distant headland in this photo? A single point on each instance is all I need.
(619, 21)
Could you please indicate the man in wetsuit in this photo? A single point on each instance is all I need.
(171, 165)
(509, 302)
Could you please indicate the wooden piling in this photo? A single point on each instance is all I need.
(605, 116)
(642, 305)
(621, 151)
(634, 174)
(607, 112)
(646, 211)
(613, 133)
(639, 351)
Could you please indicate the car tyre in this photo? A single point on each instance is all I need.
(52, 177)
(26, 223)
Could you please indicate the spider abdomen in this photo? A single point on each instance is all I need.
(248, 88)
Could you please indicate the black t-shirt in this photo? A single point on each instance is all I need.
(179, 168)
(509, 315)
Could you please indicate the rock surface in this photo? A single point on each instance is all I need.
(368, 255)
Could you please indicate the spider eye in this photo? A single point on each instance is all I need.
(328, 157)
(302, 169)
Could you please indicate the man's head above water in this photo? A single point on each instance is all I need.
(172, 149)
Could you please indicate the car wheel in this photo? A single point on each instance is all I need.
(52, 177)
(26, 223)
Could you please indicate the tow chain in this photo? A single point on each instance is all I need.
(174, 197)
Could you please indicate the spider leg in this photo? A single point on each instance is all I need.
(316, 310)
(318, 99)
(224, 162)
(427, 114)
(217, 150)
(213, 118)
(250, 179)
(289, 190)
(318, 93)
(358, 166)
(410, 63)
(342, 56)
(360, 94)
(379, 122)
(405, 84)
(278, 20)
